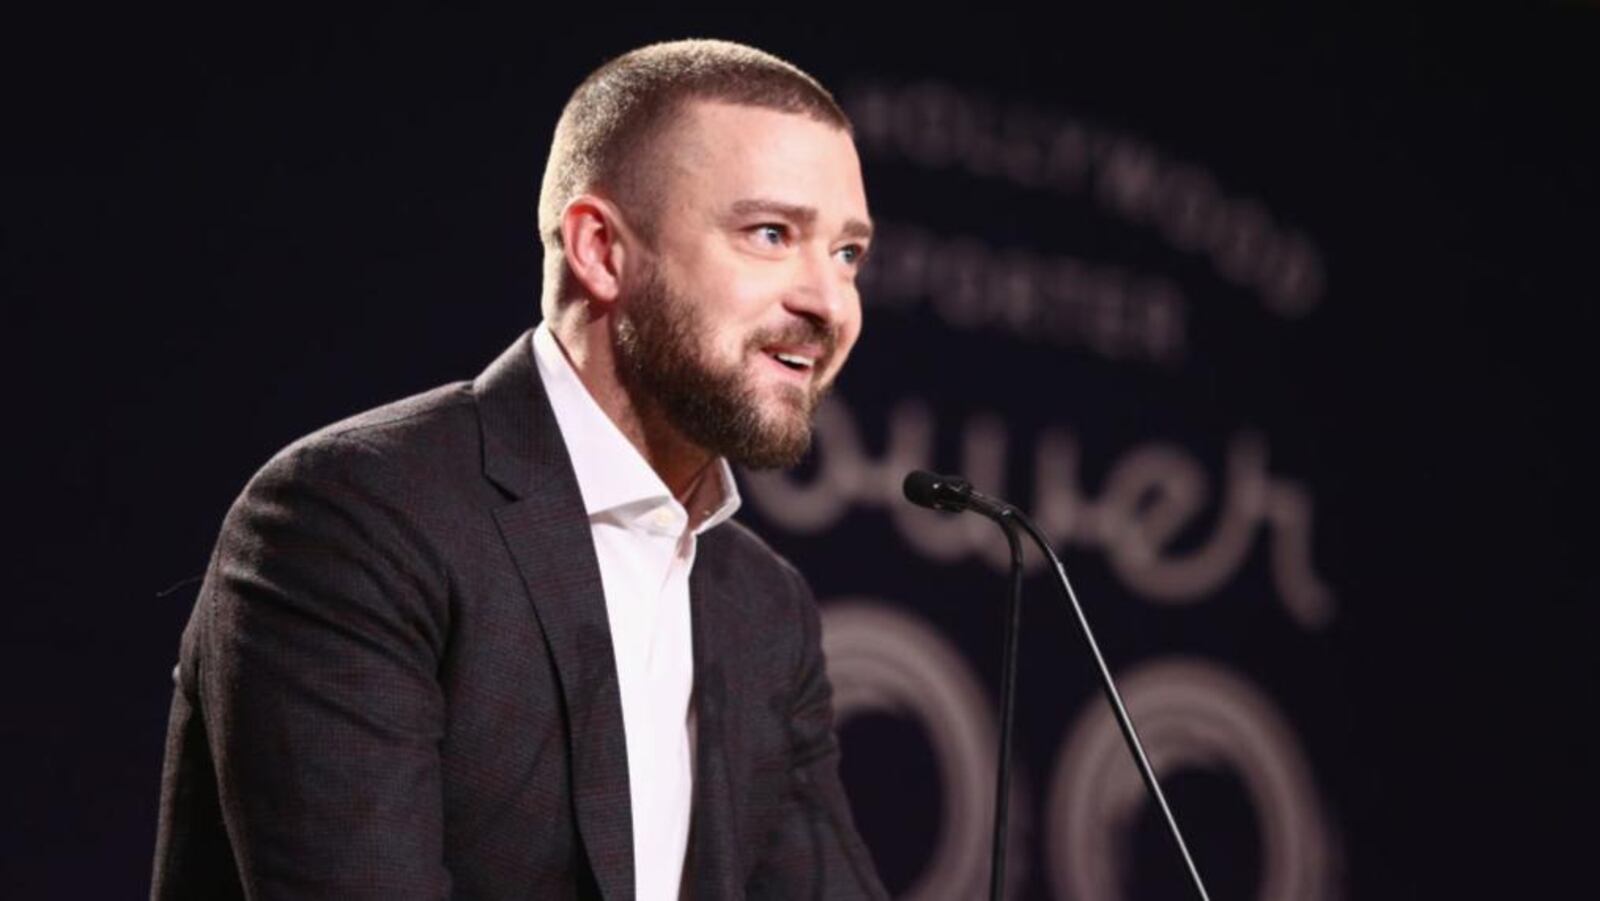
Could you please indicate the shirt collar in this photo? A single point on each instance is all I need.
(613, 477)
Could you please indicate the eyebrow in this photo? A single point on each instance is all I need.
(805, 215)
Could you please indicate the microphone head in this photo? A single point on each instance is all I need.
(936, 492)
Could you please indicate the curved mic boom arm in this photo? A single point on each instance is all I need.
(955, 494)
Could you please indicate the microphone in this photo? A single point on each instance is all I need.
(956, 495)
(952, 494)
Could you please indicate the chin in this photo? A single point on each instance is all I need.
(775, 454)
(781, 438)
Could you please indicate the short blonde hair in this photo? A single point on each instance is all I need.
(610, 123)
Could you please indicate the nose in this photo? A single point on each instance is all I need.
(823, 292)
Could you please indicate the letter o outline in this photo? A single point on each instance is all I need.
(882, 659)
(1188, 712)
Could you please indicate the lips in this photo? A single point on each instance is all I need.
(796, 360)
(798, 351)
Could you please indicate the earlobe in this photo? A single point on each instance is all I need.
(591, 241)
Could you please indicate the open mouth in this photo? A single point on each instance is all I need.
(795, 362)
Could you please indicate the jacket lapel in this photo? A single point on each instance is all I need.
(546, 531)
(713, 861)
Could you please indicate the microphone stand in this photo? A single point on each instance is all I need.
(1124, 722)
(955, 494)
(1008, 696)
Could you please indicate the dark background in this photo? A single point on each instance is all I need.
(219, 235)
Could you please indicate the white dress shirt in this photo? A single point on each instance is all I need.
(645, 541)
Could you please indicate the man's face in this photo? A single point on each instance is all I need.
(745, 307)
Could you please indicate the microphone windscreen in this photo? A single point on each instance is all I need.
(923, 488)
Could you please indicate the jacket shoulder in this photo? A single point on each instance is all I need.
(431, 415)
(432, 433)
(743, 548)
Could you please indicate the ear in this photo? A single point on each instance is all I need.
(594, 241)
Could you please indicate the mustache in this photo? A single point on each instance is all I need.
(798, 331)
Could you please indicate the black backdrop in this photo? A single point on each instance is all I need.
(1335, 271)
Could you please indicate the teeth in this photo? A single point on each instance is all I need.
(795, 360)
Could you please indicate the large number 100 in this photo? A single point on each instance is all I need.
(1190, 713)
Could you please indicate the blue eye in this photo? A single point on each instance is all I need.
(772, 235)
(852, 253)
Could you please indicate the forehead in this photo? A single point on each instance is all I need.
(716, 154)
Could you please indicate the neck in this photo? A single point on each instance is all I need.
(587, 343)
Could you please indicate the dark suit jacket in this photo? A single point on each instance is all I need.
(398, 683)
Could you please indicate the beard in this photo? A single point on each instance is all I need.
(660, 343)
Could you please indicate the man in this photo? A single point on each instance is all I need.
(499, 640)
